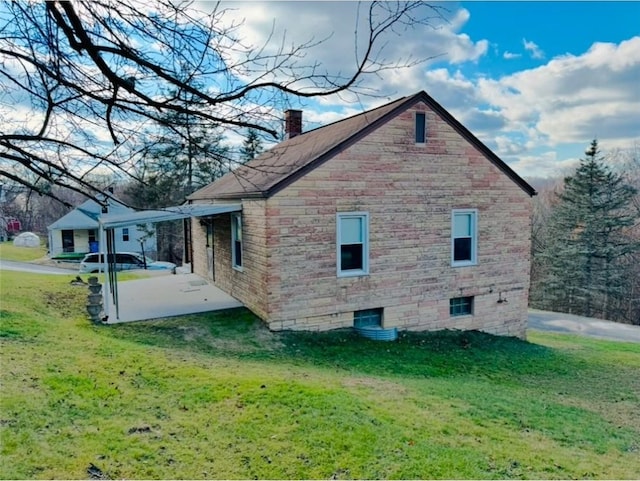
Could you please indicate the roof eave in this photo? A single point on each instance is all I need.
(233, 196)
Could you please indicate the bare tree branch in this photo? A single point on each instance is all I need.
(81, 78)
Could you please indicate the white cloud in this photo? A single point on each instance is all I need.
(546, 164)
(339, 24)
(533, 49)
(528, 117)
(510, 55)
(574, 98)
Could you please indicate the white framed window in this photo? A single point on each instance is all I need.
(464, 237)
(236, 241)
(421, 127)
(125, 234)
(352, 229)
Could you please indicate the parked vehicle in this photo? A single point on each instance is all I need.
(123, 261)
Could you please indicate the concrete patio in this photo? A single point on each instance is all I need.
(167, 296)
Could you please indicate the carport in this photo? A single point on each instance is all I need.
(166, 295)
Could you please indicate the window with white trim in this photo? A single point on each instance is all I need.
(421, 127)
(236, 241)
(125, 234)
(352, 243)
(464, 237)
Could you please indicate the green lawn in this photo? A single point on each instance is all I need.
(23, 254)
(219, 396)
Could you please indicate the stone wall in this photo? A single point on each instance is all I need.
(409, 192)
(249, 284)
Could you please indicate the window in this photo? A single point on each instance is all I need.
(367, 317)
(129, 259)
(92, 235)
(460, 306)
(236, 241)
(464, 238)
(421, 127)
(353, 244)
(125, 234)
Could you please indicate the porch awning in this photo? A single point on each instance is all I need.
(113, 221)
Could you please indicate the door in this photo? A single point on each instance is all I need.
(67, 241)
(210, 254)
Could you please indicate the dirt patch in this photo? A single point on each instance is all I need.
(380, 386)
(46, 261)
(192, 333)
(256, 338)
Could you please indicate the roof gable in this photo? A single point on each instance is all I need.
(86, 215)
(76, 219)
(293, 158)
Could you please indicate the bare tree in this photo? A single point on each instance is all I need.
(81, 79)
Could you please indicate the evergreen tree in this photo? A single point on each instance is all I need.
(251, 147)
(588, 240)
(184, 154)
(177, 158)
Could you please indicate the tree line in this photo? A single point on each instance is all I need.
(586, 241)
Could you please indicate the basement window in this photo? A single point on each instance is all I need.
(367, 318)
(461, 306)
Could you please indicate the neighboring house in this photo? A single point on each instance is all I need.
(76, 233)
(398, 216)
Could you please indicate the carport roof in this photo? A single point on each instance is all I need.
(113, 221)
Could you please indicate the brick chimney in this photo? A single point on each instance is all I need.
(292, 123)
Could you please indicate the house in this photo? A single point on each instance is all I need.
(76, 233)
(397, 217)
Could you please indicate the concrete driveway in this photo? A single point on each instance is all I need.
(587, 326)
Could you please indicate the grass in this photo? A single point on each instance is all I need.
(219, 396)
(10, 252)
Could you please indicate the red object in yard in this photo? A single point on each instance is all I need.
(13, 225)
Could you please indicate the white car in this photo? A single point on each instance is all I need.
(123, 261)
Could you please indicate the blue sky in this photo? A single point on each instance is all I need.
(557, 28)
(535, 81)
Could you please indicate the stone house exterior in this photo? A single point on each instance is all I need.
(398, 216)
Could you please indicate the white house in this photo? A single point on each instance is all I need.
(76, 233)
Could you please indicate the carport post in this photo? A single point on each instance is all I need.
(105, 289)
